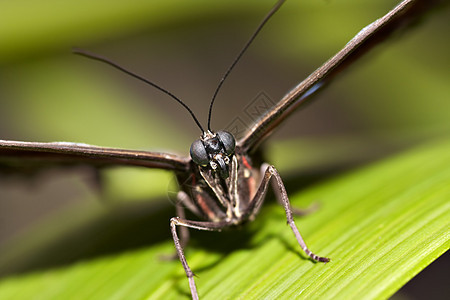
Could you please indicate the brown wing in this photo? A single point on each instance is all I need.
(16, 155)
(400, 16)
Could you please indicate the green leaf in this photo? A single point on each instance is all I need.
(380, 225)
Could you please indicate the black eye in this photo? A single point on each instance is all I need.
(198, 153)
(228, 141)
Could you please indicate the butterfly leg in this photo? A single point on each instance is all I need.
(210, 226)
(183, 201)
(270, 172)
(295, 210)
(183, 198)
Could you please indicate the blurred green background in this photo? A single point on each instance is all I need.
(394, 97)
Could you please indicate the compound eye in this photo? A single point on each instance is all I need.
(199, 154)
(228, 141)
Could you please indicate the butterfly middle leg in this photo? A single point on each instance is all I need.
(270, 172)
(296, 211)
(199, 225)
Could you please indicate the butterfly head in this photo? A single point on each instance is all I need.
(214, 150)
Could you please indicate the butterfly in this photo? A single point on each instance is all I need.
(221, 182)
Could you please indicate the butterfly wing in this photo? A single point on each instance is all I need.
(19, 156)
(403, 14)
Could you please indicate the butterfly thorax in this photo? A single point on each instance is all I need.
(218, 199)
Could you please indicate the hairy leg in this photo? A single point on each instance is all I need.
(269, 173)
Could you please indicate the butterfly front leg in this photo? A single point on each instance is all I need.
(295, 210)
(210, 226)
(270, 172)
(183, 200)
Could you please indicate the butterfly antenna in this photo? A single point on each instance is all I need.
(260, 26)
(115, 65)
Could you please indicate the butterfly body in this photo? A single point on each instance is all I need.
(216, 199)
